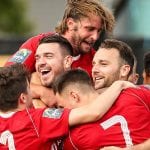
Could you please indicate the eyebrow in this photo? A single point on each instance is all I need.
(101, 60)
(46, 53)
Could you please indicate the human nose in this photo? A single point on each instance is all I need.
(95, 69)
(95, 35)
(41, 60)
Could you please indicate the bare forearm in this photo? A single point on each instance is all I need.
(46, 95)
(35, 85)
(143, 146)
(99, 106)
(35, 90)
(105, 100)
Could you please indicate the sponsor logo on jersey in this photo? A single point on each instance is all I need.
(20, 56)
(53, 113)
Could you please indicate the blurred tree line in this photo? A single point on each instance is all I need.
(13, 21)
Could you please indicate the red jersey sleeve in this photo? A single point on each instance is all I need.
(33, 128)
(142, 94)
(26, 52)
(54, 123)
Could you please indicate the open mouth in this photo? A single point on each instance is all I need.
(45, 72)
(89, 43)
(98, 78)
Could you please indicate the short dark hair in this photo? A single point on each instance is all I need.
(125, 51)
(147, 63)
(56, 38)
(74, 76)
(13, 82)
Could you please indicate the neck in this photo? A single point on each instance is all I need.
(9, 111)
(99, 91)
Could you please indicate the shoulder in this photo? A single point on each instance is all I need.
(140, 93)
(139, 90)
(34, 40)
(54, 113)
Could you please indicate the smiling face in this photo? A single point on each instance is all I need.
(83, 33)
(49, 62)
(106, 67)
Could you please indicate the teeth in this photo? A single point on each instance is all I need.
(90, 43)
(98, 78)
(44, 71)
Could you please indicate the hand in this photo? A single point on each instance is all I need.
(46, 95)
(112, 148)
(35, 78)
(42, 96)
(124, 84)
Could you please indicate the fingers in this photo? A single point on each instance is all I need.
(111, 148)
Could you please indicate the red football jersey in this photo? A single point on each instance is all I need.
(126, 123)
(26, 55)
(84, 61)
(33, 129)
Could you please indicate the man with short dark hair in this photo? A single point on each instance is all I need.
(127, 122)
(53, 56)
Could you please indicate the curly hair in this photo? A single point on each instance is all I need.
(78, 9)
(13, 81)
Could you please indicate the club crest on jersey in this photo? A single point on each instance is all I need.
(20, 56)
(53, 113)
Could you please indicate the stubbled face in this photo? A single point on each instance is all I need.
(85, 33)
(106, 67)
(49, 62)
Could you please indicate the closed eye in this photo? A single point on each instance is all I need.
(49, 56)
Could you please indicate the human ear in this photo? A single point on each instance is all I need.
(71, 24)
(67, 62)
(75, 97)
(22, 98)
(124, 71)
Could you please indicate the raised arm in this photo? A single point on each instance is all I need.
(42, 96)
(46, 95)
(99, 106)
